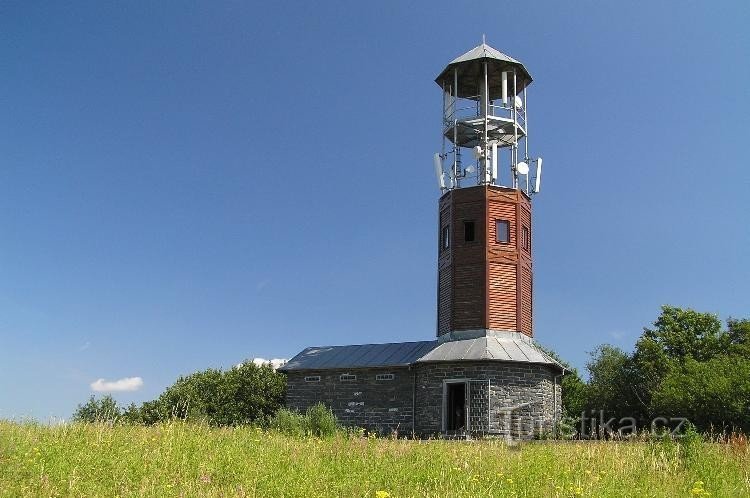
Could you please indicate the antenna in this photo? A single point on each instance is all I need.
(522, 168)
(538, 179)
(504, 91)
(438, 161)
(494, 162)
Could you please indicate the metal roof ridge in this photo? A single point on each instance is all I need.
(367, 344)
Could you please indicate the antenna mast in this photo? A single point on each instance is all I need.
(484, 105)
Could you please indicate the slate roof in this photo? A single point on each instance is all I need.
(360, 356)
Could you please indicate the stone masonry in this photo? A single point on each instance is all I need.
(383, 406)
(521, 401)
(521, 397)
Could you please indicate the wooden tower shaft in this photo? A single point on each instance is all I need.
(484, 260)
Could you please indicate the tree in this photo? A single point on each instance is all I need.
(680, 334)
(711, 394)
(244, 394)
(610, 386)
(97, 410)
(738, 335)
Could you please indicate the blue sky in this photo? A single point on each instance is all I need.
(185, 185)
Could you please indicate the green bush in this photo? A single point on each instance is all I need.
(321, 421)
(289, 422)
(317, 421)
(245, 394)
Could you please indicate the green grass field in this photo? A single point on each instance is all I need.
(188, 460)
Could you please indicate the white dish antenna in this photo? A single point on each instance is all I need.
(438, 162)
(469, 170)
(522, 168)
(478, 152)
(538, 179)
(519, 102)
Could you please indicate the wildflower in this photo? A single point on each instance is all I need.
(699, 490)
(382, 494)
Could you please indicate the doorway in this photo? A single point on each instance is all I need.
(455, 406)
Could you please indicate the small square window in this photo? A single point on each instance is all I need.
(347, 378)
(385, 377)
(445, 238)
(525, 238)
(312, 378)
(469, 231)
(503, 231)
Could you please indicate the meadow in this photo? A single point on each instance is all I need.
(180, 459)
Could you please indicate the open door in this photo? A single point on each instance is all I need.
(455, 407)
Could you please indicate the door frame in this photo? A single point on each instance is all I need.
(465, 381)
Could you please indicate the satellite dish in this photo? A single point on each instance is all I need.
(438, 162)
(478, 152)
(522, 168)
(519, 102)
(538, 179)
(470, 169)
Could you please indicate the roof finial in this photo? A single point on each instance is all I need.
(483, 42)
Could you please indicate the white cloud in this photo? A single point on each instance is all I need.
(85, 346)
(275, 363)
(125, 384)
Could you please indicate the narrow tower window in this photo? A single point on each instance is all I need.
(445, 238)
(503, 231)
(525, 239)
(469, 231)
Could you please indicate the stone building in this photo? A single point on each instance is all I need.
(483, 374)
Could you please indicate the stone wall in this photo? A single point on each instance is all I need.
(521, 397)
(384, 406)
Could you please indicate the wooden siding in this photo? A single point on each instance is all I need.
(468, 296)
(526, 311)
(483, 283)
(502, 296)
(445, 300)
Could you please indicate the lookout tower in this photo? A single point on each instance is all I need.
(485, 277)
(484, 375)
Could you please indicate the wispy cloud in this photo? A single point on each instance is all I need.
(85, 346)
(125, 384)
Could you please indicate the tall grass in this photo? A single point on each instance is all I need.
(179, 459)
